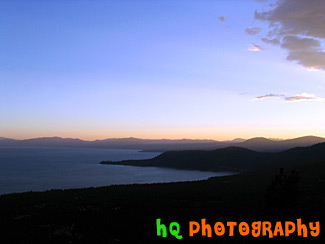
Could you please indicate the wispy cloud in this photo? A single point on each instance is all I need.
(222, 19)
(304, 97)
(298, 27)
(255, 48)
(269, 96)
(295, 98)
(252, 31)
(273, 41)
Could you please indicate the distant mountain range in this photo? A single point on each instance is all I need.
(259, 144)
(232, 158)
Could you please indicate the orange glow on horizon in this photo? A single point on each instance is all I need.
(219, 134)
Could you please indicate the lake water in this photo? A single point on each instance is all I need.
(39, 169)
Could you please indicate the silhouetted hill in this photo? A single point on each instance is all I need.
(266, 145)
(54, 142)
(115, 143)
(162, 145)
(232, 158)
(44, 142)
(8, 142)
(237, 140)
(155, 145)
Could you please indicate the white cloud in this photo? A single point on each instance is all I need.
(255, 48)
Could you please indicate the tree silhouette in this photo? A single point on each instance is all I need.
(283, 193)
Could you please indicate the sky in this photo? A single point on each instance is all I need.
(162, 69)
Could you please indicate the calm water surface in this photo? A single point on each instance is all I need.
(39, 169)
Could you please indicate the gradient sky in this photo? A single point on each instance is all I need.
(162, 69)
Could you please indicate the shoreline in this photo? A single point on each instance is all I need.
(128, 184)
(103, 214)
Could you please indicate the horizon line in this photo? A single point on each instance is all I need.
(176, 139)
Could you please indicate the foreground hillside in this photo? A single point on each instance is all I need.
(127, 214)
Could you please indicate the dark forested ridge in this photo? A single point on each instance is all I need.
(232, 158)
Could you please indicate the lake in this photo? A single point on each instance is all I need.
(39, 169)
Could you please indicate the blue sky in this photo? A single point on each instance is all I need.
(153, 69)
